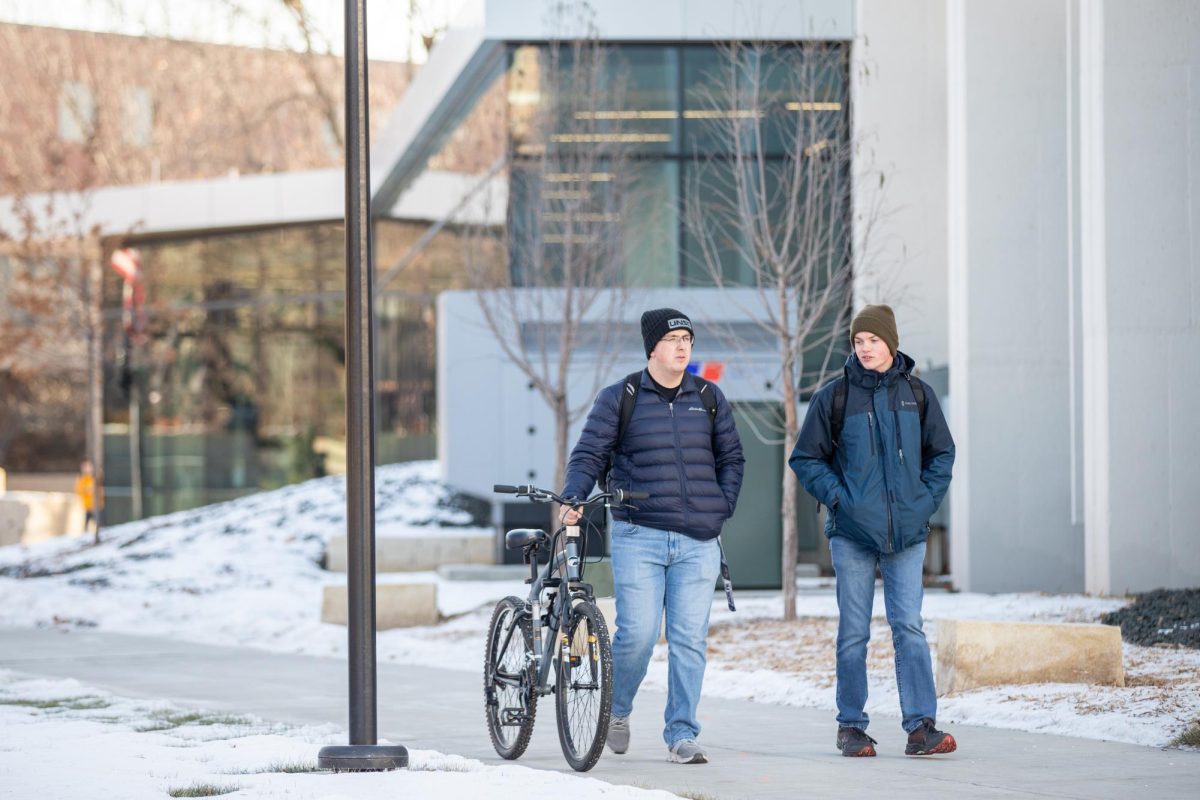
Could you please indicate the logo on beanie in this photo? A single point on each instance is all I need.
(678, 322)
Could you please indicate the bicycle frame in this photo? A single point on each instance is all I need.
(561, 590)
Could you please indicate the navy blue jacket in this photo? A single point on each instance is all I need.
(690, 466)
(888, 474)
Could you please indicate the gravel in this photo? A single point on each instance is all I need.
(1164, 616)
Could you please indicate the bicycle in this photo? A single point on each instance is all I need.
(555, 640)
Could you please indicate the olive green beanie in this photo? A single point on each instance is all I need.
(879, 320)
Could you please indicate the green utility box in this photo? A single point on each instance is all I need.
(753, 539)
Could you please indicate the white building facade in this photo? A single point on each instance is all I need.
(1040, 240)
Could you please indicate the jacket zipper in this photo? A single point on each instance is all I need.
(899, 440)
(679, 462)
(888, 544)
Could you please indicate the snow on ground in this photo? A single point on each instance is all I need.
(59, 736)
(247, 573)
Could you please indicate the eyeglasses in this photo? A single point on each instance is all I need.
(675, 341)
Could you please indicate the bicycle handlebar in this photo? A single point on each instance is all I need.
(618, 496)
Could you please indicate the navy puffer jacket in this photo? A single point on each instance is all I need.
(690, 466)
(888, 474)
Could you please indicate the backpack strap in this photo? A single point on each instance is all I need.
(709, 399)
(837, 415)
(629, 393)
(628, 399)
(918, 391)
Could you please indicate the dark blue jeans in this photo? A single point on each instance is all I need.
(902, 596)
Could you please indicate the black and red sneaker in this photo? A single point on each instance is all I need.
(928, 740)
(855, 743)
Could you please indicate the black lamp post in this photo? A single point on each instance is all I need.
(363, 752)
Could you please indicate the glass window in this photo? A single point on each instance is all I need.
(76, 111)
(138, 121)
(608, 99)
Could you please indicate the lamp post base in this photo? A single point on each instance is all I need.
(363, 757)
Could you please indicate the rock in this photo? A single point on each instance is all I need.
(974, 653)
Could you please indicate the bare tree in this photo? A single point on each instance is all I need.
(552, 279)
(773, 212)
(51, 329)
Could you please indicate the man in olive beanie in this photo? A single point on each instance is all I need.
(876, 452)
(879, 320)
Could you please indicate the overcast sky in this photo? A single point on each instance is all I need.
(252, 23)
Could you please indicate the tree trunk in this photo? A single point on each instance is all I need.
(561, 423)
(787, 506)
(95, 417)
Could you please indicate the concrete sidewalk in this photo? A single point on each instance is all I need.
(757, 751)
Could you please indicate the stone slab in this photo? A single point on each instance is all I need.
(418, 553)
(28, 517)
(511, 573)
(397, 605)
(974, 653)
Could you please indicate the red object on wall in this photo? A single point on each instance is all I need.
(127, 263)
(712, 371)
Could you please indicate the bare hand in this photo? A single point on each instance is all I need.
(570, 515)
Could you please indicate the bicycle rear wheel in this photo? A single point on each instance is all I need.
(510, 702)
(583, 690)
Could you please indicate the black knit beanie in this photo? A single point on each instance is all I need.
(879, 320)
(658, 322)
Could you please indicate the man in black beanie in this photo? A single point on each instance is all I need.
(680, 445)
(875, 450)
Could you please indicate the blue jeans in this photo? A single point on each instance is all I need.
(902, 593)
(656, 571)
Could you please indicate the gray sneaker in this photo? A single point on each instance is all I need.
(618, 734)
(686, 751)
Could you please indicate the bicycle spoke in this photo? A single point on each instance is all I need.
(509, 705)
(584, 694)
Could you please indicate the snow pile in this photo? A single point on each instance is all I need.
(151, 748)
(242, 572)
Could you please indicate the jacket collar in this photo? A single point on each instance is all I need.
(869, 379)
(688, 384)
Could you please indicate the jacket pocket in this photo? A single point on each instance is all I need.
(928, 506)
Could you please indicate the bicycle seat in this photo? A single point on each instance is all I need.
(523, 537)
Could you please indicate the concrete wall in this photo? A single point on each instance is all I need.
(899, 92)
(1146, 129)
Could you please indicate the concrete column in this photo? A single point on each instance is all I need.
(1010, 330)
(1140, 180)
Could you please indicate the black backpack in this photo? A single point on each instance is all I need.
(629, 392)
(837, 415)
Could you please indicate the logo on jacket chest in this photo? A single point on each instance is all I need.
(908, 404)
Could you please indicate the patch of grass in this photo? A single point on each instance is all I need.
(281, 766)
(168, 720)
(694, 795)
(22, 571)
(438, 768)
(66, 703)
(1189, 738)
(202, 790)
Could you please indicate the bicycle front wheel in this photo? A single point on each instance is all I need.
(583, 690)
(510, 702)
